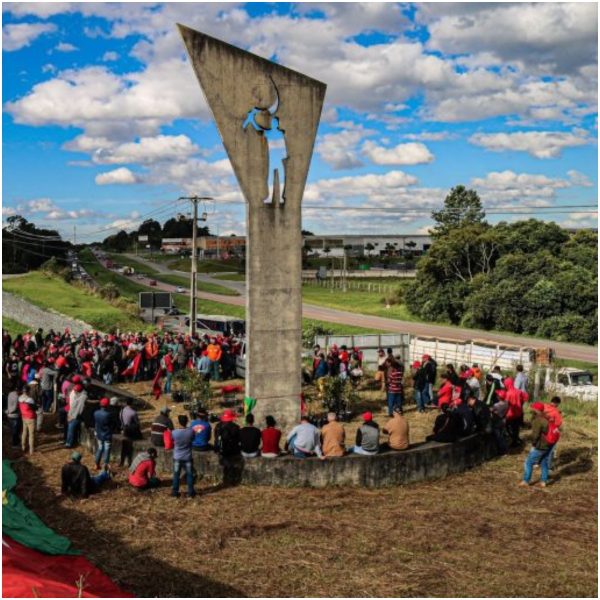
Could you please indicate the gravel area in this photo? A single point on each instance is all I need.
(24, 312)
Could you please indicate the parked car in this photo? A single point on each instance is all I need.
(180, 290)
(152, 282)
(571, 382)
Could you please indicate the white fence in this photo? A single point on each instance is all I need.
(485, 353)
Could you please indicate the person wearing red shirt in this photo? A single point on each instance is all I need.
(514, 415)
(142, 472)
(270, 439)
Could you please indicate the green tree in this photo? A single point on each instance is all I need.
(461, 207)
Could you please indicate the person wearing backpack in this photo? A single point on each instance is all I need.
(542, 435)
(555, 419)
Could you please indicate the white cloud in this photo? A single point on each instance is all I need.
(121, 176)
(541, 144)
(340, 150)
(429, 136)
(110, 56)
(548, 37)
(65, 47)
(19, 35)
(579, 179)
(527, 189)
(146, 150)
(48, 68)
(40, 205)
(412, 153)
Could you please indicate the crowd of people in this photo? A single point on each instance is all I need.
(35, 365)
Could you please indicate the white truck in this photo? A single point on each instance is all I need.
(571, 383)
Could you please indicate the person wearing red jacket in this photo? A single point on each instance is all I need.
(514, 415)
(444, 394)
(142, 472)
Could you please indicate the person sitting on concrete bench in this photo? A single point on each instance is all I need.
(398, 431)
(333, 437)
(447, 426)
(76, 480)
(142, 472)
(481, 414)
(250, 438)
(367, 436)
(271, 437)
(304, 440)
(161, 423)
(202, 430)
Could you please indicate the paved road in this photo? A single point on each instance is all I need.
(332, 315)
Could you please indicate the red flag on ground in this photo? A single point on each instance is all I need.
(156, 385)
(27, 573)
(134, 367)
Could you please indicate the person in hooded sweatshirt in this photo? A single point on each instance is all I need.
(142, 472)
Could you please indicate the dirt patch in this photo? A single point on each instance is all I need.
(473, 534)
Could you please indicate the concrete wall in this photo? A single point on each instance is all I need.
(421, 462)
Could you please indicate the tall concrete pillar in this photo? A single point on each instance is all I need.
(251, 99)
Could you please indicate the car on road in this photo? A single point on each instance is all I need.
(180, 290)
(152, 282)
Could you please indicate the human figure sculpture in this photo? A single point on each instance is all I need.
(264, 121)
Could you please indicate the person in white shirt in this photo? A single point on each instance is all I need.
(304, 440)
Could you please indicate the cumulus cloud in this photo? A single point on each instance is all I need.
(110, 56)
(541, 144)
(412, 153)
(19, 35)
(146, 150)
(340, 150)
(65, 47)
(122, 176)
(547, 37)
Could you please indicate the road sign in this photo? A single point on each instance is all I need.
(142, 238)
(155, 300)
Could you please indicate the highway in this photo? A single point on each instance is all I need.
(311, 311)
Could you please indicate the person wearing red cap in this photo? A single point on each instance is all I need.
(540, 452)
(227, 445)
(104, 425)
(367, 436)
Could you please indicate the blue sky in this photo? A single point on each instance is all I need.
(104, 123)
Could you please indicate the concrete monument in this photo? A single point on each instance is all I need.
(262, 109)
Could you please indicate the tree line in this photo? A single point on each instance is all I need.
(26, 247)
(176, 227)
(530, 277)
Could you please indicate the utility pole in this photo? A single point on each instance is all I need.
(344, 271)
(194, 267)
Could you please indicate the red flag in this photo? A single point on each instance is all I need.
(133, 368)
(28, 573)
(156, 385)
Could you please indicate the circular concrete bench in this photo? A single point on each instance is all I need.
(420, 462)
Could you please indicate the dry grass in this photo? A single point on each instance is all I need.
(474, 534)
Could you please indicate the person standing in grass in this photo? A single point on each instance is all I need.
(104, 426)
(27, 408)
(182, 457)
(394, 387)
(540, 452)
(13, 414)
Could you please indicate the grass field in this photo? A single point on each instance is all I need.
(13, 327)
(368, 303)
(475, 534)
(231, 276)
(206, 265)
(52, 292)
